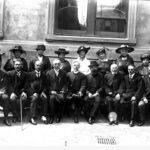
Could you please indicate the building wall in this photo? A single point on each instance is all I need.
(25, 23)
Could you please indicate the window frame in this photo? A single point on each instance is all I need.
(131, 28)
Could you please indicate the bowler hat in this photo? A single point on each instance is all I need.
(41, 47)
(102, 50)
(126, 47)
(145, 56)
(83, 48)
(61, 50)
(17, 48)
(93, 63)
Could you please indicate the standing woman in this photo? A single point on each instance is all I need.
(124, 60)
(46, 65)
(17, 52)
(65, 65)
(103, 61)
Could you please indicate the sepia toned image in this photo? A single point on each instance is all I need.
(74, 74)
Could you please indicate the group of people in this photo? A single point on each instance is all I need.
(60, 88)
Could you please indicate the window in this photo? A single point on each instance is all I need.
(92, 20)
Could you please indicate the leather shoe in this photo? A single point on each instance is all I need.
(76, 119)
(111, 122)
(91, 120)
(44, 119)
(32, 121)
(131, 124)
(116, 122)
(57, 119)
(141, 123)
(14, 120)
(51, 120)
(6, 122)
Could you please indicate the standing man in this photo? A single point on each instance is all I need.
(17, 52)
(46, 65)
(65, 65)
(76, 88)
(94, 92)
(17, 88)
(84, 62)
(37, 93)
(56, 85)
(114, 82)
(4, 99)
(133, 92)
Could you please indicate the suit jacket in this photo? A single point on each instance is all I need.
(3, 82)
(36, 84)
(76, 82)
(135, 87)
(114, 84)
(9, 66)
(46, 64)
(147, 87)
(17, 84)
(95, 83)
(55, 83)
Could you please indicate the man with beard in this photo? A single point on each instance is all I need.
(94, 92)
(114, 82)
(76, 88)
(17, 88)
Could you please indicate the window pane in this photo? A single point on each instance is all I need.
(111, 18)
(71, 16)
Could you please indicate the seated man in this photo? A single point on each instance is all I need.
(17, 88)
(37, 92)
(133, 91)
(76, 88)
(56, 86)
(113, 88)
(4, 99)
(94, 92)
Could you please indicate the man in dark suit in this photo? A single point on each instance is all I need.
(76, 88)
(94, 92)
(133, 91)
(4, 99)
(56, 85)
(46, 65)
(17, 88)
(113, 89)
(37, 93)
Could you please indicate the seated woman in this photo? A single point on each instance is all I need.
(103, 61)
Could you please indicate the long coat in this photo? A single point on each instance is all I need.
(55, 83)
(147, 87)
(36, 84)
(76, 82)
(134, 87)
(46, 65)
(17, 84)
(114, 84)
(3, 82)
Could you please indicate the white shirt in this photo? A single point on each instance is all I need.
(84, 66)
(40, 59)
(56, 72)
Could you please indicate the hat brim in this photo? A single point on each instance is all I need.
(58, 52)
(129, 49)
(14, 50)
(85, 49)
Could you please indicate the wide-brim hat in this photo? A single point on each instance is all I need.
(61, 50)
(17, 48)
(41, 47)
(126, 47)
(102, 50)
(93, 63)
(145, 56)
(83, 48)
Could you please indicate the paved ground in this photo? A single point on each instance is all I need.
(69, 135)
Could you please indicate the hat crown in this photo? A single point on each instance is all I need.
(83, 48)
(17, 47)
(145, 56)
(41, 47)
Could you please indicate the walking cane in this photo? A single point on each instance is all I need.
(21, 112)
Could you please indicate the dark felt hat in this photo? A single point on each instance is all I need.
(41, 47)
(145, 56)
(126, 47)
(61, 50)
(102, 50)
(83, 48)
(93, 63)
(17, 48)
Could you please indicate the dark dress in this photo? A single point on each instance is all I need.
(65, 65)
